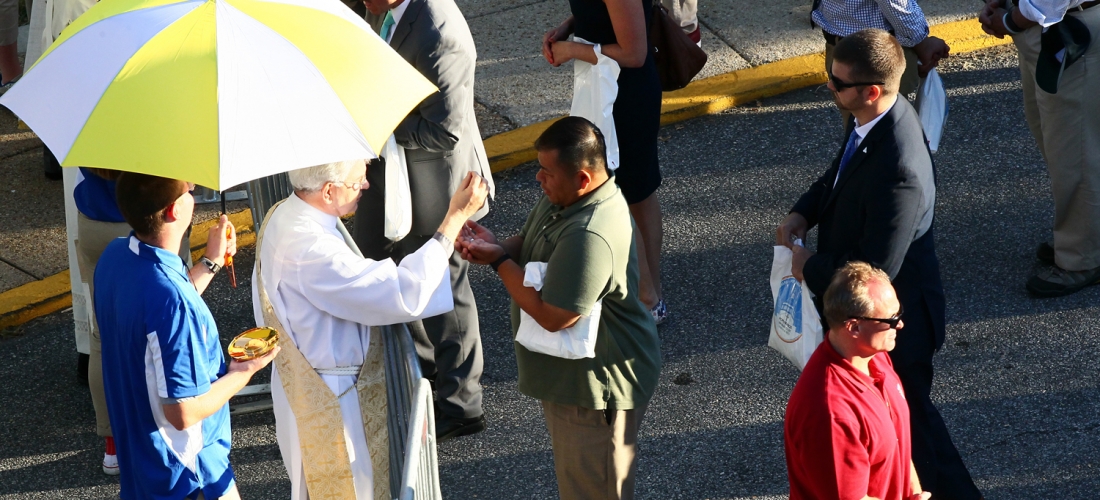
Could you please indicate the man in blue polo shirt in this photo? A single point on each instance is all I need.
(166, 382)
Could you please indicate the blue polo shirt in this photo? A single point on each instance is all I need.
(95, 198)
(160, 346)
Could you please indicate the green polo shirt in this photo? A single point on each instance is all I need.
(589, 250)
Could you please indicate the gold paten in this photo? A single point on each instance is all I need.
(253, 343)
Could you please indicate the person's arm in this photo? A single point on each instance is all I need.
(436, 124)
(218, 245)
(998, 21)
(190, 411)
(834, 460)
(632, 42)
(911, 30)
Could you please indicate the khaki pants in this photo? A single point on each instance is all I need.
(1066, 127)
(909, 79)
(92, 238)
(594, 458)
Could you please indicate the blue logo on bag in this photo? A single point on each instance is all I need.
(787, 317)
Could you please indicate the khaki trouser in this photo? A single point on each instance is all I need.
(909, 79)
(92, 238)
(1066, 126)
(594, 458)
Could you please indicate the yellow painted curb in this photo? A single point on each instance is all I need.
(37, 298)
(719, 93)
(516, 147)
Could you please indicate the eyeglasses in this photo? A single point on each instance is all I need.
(892, 320)
(355, 186)
(840, 85)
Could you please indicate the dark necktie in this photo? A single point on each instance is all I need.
(849, 151)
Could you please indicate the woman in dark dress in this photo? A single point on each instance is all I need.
(620, 27)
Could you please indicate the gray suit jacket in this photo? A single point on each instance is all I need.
(441, 138)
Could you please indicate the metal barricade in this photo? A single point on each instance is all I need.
(265, 192)
(414, 469)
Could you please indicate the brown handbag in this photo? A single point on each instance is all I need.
(678, 58)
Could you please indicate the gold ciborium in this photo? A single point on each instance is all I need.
(253, 343)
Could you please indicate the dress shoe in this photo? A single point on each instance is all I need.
(1056, 282)
(447, 427)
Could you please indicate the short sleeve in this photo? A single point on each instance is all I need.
(177, 345)
(841, 466)
(578, 272)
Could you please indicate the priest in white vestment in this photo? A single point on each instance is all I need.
(326, 296)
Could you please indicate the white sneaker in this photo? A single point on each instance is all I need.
(110, 464)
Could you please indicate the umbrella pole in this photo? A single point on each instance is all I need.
(229, 258)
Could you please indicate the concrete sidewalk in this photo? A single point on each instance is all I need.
(756, 49)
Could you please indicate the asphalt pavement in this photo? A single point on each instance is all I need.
(1016, 381)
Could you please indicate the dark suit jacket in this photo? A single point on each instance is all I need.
(881, 212)
(441, 138)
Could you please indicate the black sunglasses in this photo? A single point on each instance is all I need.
(892, 320)
(840, 85)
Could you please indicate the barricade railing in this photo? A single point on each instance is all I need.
(414, 470)
(265, 192)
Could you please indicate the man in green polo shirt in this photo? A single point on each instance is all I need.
(582, 229)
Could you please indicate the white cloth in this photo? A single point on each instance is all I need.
(1047, 12)
(397, 12)
(326, 295)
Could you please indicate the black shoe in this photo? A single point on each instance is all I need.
(1054, 281)
(447, 427)
(1045, 253)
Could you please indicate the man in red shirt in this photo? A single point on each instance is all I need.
(846, 431)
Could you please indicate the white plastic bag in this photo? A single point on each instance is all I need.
(796, 327)
(595, 88)
(398, 196)
(575, 342)
(931, 105)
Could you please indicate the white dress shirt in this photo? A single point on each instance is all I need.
(326, 296)
(1045, 12)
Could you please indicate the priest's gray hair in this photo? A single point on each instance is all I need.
(314, 178)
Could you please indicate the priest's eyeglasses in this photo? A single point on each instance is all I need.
(354, 186)
(840, 85)
(892, 320)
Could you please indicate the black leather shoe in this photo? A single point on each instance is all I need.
(447, 427)
(1045, 253)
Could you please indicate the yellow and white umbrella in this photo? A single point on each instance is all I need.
(216, 92)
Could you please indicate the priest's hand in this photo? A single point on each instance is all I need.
(470, 196)
(464, 204)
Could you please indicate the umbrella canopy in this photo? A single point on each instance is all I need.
(216, 92)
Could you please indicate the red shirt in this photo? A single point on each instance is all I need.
(846, 434)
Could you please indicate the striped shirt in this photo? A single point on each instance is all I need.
(903, 18)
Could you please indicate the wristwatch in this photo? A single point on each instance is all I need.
(211, 265)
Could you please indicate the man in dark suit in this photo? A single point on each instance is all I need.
(875, 204)
(442, 143)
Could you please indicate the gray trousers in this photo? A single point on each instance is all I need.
(448, 345)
